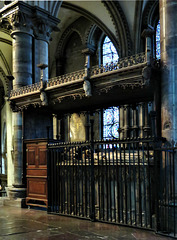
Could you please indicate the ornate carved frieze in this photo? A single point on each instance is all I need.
(129, 73)
(71, 97)
(121, 64)
(26, 90)
(65, 79)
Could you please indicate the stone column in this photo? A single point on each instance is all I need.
(43, 24)
(135, 127)
(121, 122)
(141, 119)
(87, 85)
(17, 19)
(41, 57)
(146, 127)
(126, 121)
(168, 45)
(147, 34)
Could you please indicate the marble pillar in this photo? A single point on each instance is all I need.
(168, 45)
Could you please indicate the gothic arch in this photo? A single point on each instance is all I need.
(4, 81)
(122, 28)
(75, 27)
(150, 14)
(94, 20)
(64, 39)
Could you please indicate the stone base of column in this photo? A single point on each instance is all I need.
(15, 197)
(16, 192)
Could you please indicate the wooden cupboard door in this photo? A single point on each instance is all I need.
(42, 156)
(37, 188)
(31, 156)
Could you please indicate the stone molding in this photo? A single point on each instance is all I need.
(93, 19)
(122, 29)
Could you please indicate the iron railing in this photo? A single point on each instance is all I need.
(167, 191)
(110, 181)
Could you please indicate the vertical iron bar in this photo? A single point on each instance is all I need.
(114, 189)
(125, 180)
(117, 184)
(174, 193)
(140, 198)
(92, 174)
(130, 199)
(149, 187)
(144, 186)
(49, 178)
(58, 179)
(110, 183)
(102, 183)
(107, 185)
(121, 187)
(134, 184)
(54, 183)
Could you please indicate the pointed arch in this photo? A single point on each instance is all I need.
(4, 81)
(122, 28)
(4, 61)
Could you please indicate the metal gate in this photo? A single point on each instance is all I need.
(109, 181)
(167, 191)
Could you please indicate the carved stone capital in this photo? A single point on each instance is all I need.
(149, 32)
(16, 18)
(21, 17)
(44, 25)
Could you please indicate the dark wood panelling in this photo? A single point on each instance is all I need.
(36, 172)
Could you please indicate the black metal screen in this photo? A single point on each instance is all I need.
(167, 191)
(110, 181)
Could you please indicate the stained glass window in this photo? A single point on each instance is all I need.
(109, 51)
(111, 123)
(158, 40)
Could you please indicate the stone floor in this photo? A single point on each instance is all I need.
(18, 224)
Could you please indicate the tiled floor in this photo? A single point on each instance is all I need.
(18, 224)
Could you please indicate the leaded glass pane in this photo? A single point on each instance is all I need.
(111, 123)
(106, 39)
(108, 116)
(158, 41)
(115, 129)
(109, 52)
